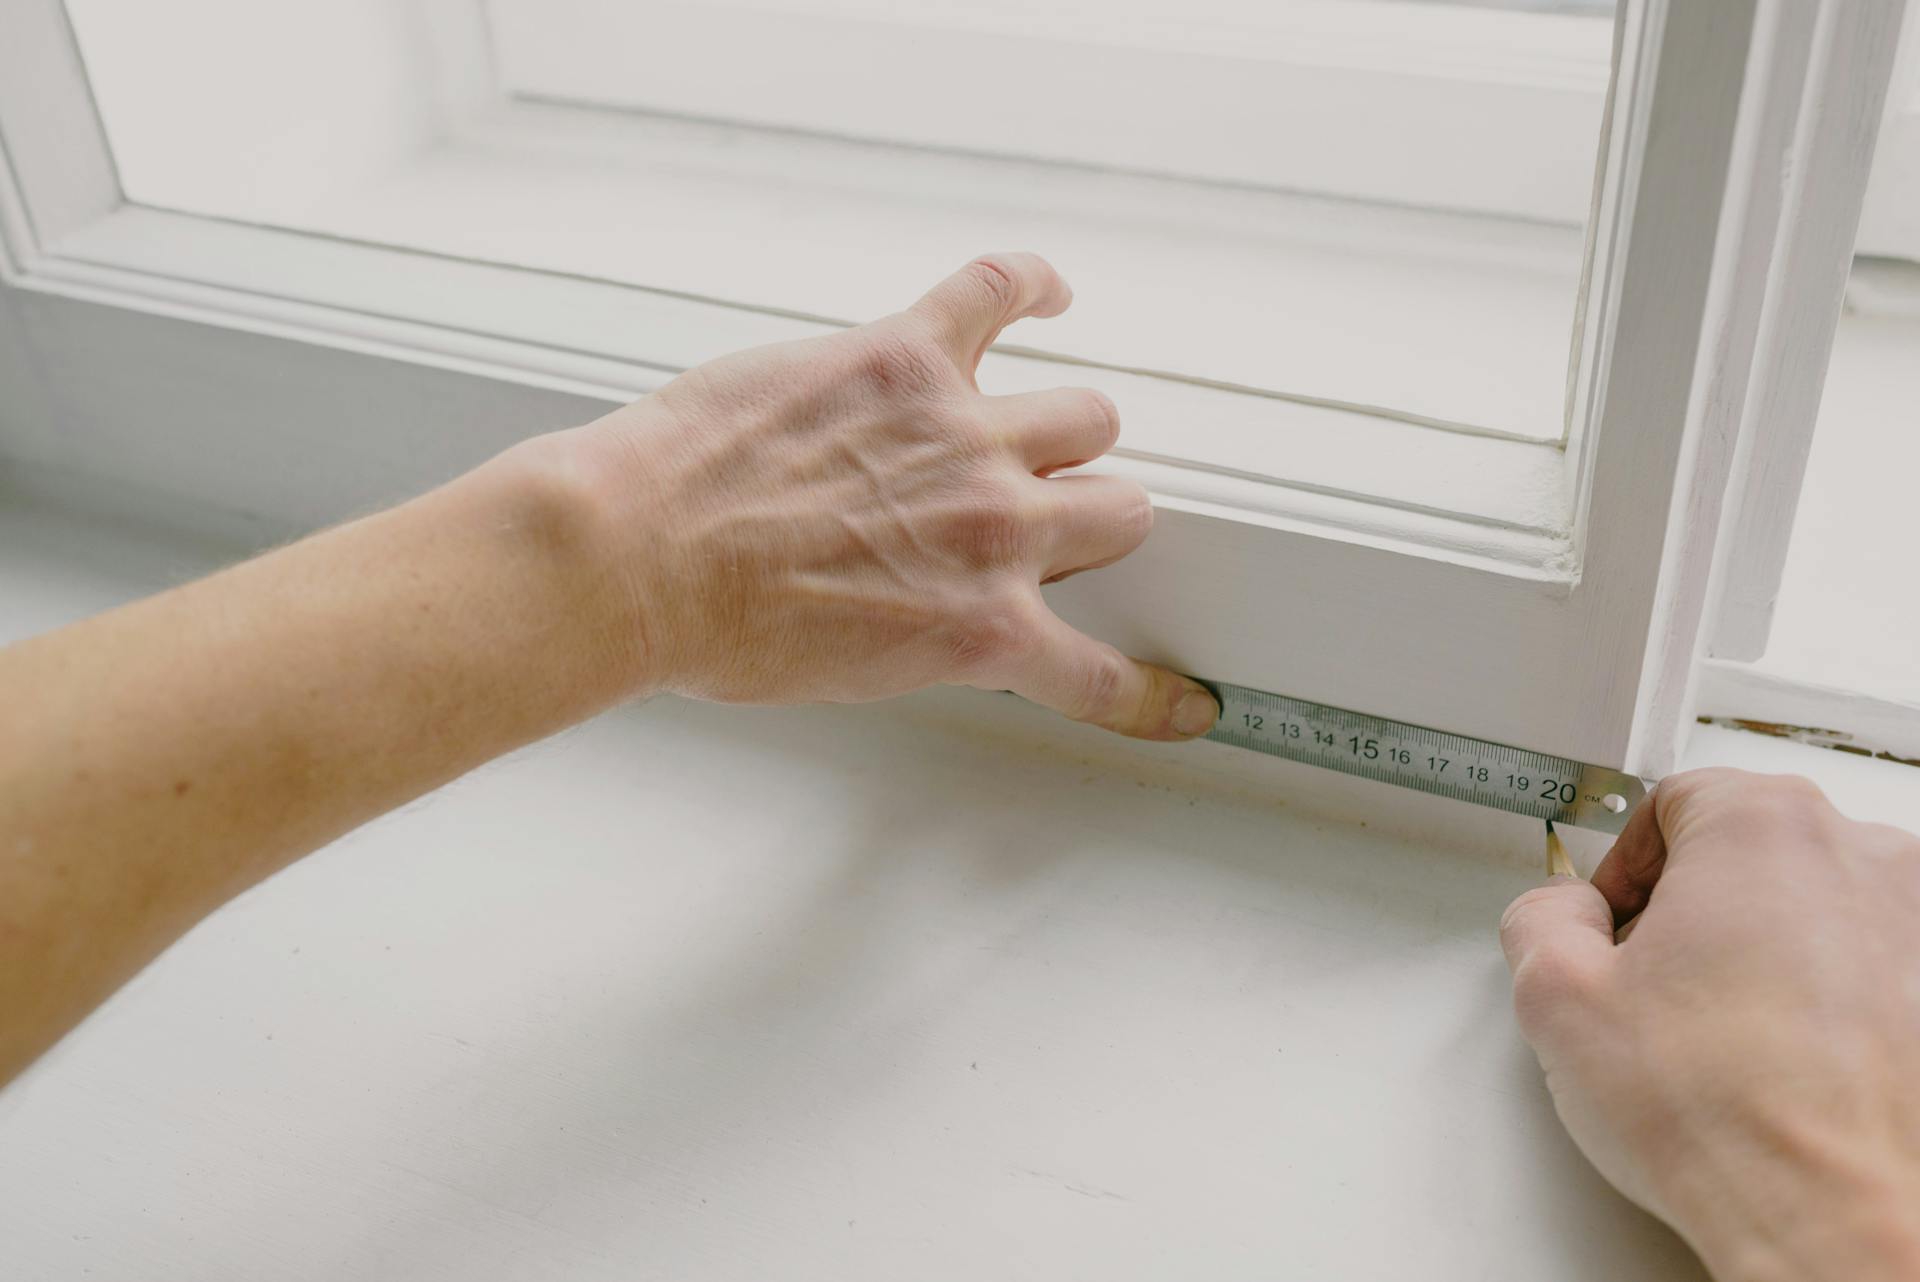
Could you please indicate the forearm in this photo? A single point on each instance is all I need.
(842, 518)
(162, 757)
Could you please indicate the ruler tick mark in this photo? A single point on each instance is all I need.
(1439, 762)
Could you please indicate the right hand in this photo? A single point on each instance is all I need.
(847, 518)
(1729, 1020)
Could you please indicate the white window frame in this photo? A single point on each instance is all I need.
(1890, 225)
(1733, 681)
(1439, 107)
(279, 371)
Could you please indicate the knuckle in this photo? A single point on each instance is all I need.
(1739, 810)
(987, 639)
(1103, 418)
(903, 364)
(1548, 985)
(993, 527)
(1101, 685)
(1136, 512)
(1705, 789)
(1799, 791)
(1524, 904)
(995, 278)
(1690, 784)
(1793, 800)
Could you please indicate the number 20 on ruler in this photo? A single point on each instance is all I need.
(1362, 749)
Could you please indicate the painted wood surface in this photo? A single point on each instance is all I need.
(1840, 653)
(58, 172)
(1794, 705)
(1890, 224)
(1549, 649)
(921, 990)
(1796, 175)
(301, 432)
(940, 988)
(1436, 107)
(1849, 611)
(1813, 179)
(620, 341)
(1838, 602)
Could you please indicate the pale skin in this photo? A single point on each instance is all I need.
(1729, 1019)
(849, 518)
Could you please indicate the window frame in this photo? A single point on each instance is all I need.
(1579, 641)
(1890, 225)
(1410, 82)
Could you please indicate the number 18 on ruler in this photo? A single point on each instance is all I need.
(1447, 765)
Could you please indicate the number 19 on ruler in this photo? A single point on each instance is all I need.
(1447, 765)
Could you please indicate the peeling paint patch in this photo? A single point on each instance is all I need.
(1815, 736)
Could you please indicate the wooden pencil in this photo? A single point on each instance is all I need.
(1558, 865)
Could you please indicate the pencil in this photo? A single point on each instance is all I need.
(1558, 865)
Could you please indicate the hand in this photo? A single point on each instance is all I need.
(1743, 1057)
(848, 518)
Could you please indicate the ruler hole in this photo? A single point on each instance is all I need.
(1614, 801)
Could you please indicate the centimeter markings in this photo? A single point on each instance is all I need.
(1432, 761)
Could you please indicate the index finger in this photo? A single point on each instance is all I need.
(969, 308)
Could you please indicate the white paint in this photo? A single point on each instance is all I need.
(1172, 275)
(965, 992)
(1413, 104)
(1794, 184)
(1806, 292)
(1168, 275)
(1838, 598)
(1438, 106)
(600, 337)
(1890, 224)
(1849, 613)
(244, 108)
(952, 997)
(1874, 791)
(1414, 610)
(58, 171)
(1699, 143)
(1839, 713)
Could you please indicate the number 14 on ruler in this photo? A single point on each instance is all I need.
(1433, 761)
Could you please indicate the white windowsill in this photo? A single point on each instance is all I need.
(1849, 606)
(1840, 655)
(967, 984)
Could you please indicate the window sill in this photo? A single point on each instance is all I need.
(1837, 661)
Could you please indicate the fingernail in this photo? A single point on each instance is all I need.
(1195, 713)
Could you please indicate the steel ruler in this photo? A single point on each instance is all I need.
(1434, 761)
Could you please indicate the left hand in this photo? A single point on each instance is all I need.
(848, 517)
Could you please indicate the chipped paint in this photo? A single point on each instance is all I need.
(1815, 736)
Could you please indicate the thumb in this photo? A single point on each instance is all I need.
(1558, 939)
(1088, 680)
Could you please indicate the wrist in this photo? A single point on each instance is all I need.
(1840, 1220)
(567, 523)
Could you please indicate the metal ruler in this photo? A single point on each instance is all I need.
(1447, 765)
